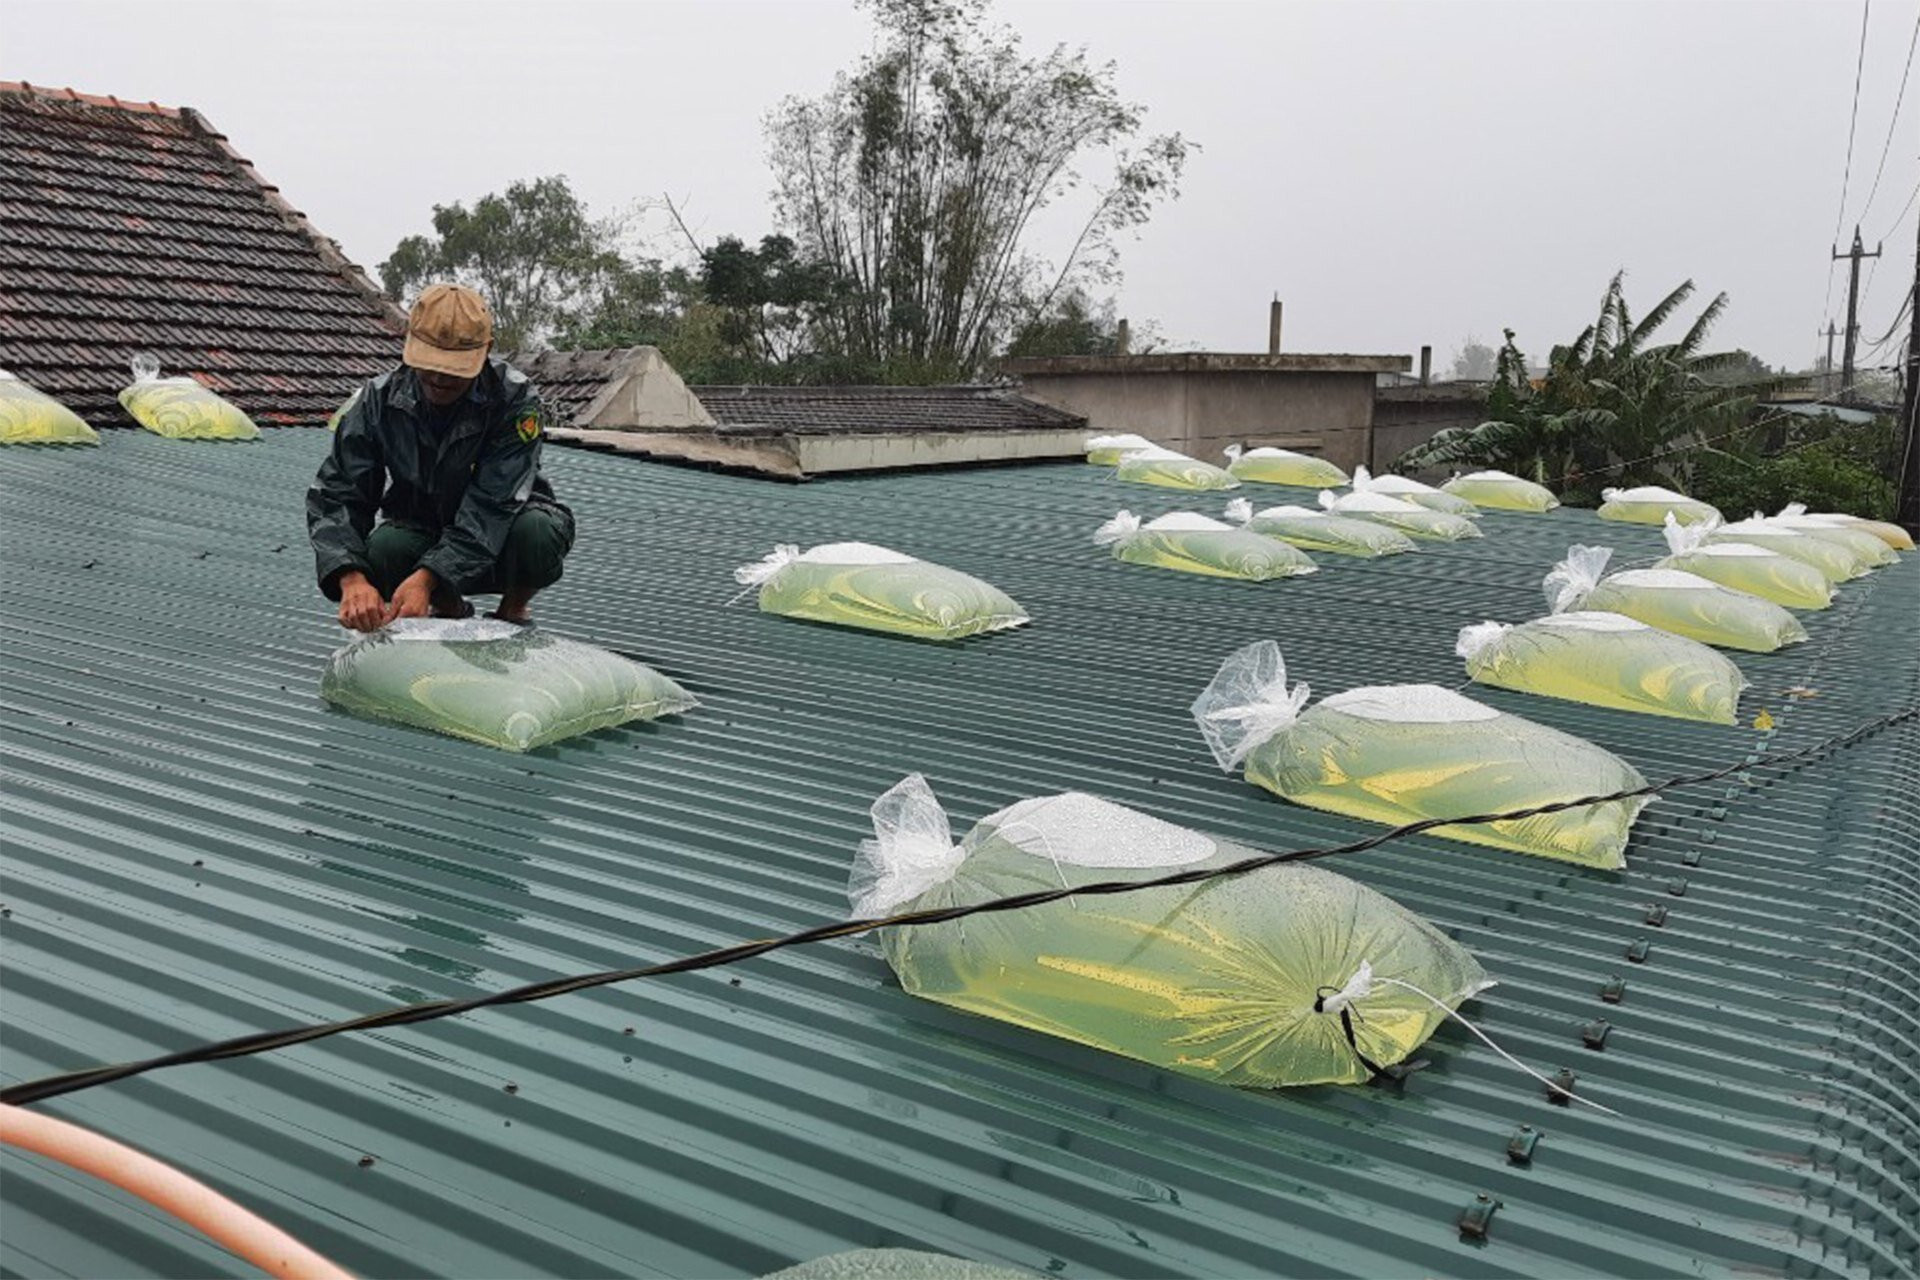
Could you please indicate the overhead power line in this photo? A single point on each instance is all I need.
(1899, 99)
(1853, 122)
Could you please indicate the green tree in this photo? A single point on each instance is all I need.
(1473, 362)
(1076, 325)
(531, 251)
(922, 175)
(1616, 406)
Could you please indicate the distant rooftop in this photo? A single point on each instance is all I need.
(132, 227)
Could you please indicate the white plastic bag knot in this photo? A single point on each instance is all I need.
(1233, 452)
(145, 366)
(1608, 495)
(1792, 509)
(1121, 527)
(1682, 538)
(1240, 511)
(912, 850)
(764, 569)
(1477, 639)
(1328, 498)
(1568, 583)
(1362, 480)
(1247, 703)
(1358, 987)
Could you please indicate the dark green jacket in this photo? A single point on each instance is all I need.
(467, 486)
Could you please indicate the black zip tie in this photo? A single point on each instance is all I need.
(427, 1011)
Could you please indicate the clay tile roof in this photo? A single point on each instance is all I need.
(129, 227)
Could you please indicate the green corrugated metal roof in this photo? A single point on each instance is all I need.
(196, 848)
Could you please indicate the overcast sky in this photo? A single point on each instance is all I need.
(1400, 173)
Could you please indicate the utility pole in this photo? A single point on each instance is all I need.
(1853, 307)
(1826, 374)
(1908, 512)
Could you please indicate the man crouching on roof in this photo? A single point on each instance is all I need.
(445, 449)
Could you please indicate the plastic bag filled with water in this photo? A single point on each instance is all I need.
(1672, 600)
(1757, 571)
(1605, 660)
(1312, 530)
(1417, 492)
(507, 686)
(1395, 754)
(1106, 451)
(856, 584)
(28, 416)
(1170, 470)
(1189, 542)
(1501, 491)
(1873, 549)
(1834, 562)
(1232, 979)
(182, 409)
(1892, 534)
(1396, 513)
(1282, 466)
(1651, 504)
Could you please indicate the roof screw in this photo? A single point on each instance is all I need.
(1718, 812)
(1615, 990)
(1476, 1216)
(1677, 886)
(1657, 914)
(1709, 836)
(1638, 949)
(1520, 1146)
(1561, 1095)
(1594, 1034)
(1691, 858)
(366, 1162)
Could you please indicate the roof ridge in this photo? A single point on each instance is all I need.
(70, 94)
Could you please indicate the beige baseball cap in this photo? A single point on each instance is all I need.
(449, 331)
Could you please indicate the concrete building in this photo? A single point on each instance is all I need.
(1201, 402)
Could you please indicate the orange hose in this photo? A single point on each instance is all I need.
(194, 1203)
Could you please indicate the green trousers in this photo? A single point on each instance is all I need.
(532, 559)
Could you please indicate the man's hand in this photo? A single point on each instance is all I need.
(413, 598)
(361, 608)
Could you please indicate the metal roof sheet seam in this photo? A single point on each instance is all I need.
(197, 848)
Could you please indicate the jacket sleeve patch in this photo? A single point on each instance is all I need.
(527, 426)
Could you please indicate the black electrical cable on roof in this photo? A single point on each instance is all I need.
(431, 1010)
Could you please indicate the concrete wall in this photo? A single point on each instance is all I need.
(1406, 416)
(1201, 412)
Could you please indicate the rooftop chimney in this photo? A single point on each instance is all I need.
(1273, 327)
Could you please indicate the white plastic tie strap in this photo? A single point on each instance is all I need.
(1239, 511)
(1123, 526)
(145, 366)
(1478, 638)
(912, 850)
(1684, 538)
(1248, 703)
(1358, 987)
(767, 567)
(1569, 583)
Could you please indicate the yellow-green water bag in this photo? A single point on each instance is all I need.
(1106, 451)
(1754, 570)
(1873, 550)
(180, 408)
(1414, 491)
(1672, 600)
(1406, 517)
(1891, 534)
(1605, 660)
(1650, 504)
(495, 683)
(1191, 543)
(1403, 753)
(1172, 470)
(1835, 562)
(1312, 530)
(1282, 466)
(1500, 491)
(1230, 980)
(27, 416)
(856, 584)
